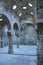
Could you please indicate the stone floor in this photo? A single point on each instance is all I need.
(6, 59)
(24, 55)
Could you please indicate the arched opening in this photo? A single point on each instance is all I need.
(29, 34)
(4, 21)
(25, 25)
(16, 28)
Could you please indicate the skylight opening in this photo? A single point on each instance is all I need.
(25, 7)
(14, 7)
(1, 19)
(30, 4)
(20, 14)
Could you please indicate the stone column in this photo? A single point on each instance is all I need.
(10, 44)
(17, 35)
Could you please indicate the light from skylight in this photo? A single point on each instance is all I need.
(31, 13)
(25, 7)
(30, 4)
(20, 14)
(14, 7)
(1, 19)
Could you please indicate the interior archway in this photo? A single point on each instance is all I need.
(29, 34)
(15, 27)
(4, 21)
(25, 25)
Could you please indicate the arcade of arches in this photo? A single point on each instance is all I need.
(18, 28)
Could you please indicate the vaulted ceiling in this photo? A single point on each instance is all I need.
(35, 9)
(29, 11)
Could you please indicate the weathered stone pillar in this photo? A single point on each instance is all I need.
(18, 36)
(10, 48)
(18, 42)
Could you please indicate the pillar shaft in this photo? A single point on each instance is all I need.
(10, 48)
